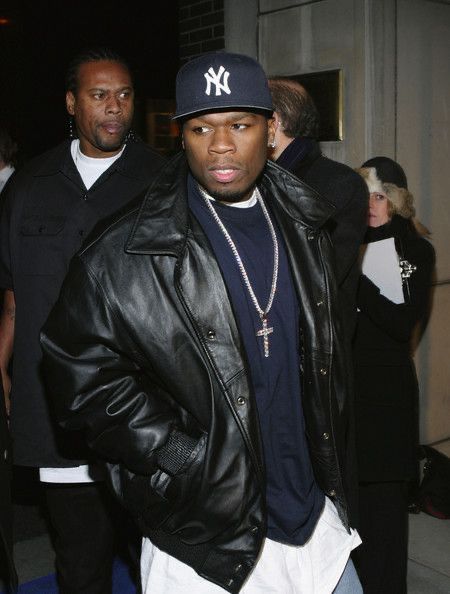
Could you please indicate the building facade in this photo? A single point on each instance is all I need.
(394, 100)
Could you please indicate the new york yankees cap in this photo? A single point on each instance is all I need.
(219, 80)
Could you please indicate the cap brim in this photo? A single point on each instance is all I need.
(257, 108)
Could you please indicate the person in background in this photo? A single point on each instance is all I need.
(296, 148)
(197, 342)
(386, 385)
(8, 574)
(49, 208)
(8, 152)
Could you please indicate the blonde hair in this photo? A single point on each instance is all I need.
(400, 200)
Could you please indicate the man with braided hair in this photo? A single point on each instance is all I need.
(49, 208)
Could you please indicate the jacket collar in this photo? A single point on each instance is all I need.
(56, 160)
(60, 160)
(298, 149)
(301, 166)
(162, 224)
(294, 197)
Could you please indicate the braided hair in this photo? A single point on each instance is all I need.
(91, 55)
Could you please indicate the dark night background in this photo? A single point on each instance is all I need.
(41, 37)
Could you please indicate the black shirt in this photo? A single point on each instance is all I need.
(293, 499)
(47, 212)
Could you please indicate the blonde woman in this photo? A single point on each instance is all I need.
(386, 386)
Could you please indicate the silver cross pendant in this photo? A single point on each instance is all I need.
(264, 332)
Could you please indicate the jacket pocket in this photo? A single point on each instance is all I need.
(42, 245)
(187, 490)
(153, 499)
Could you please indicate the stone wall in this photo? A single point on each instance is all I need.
(393, 57)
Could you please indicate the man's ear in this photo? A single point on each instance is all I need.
(278, 123)
(271, 129)
(70, 103)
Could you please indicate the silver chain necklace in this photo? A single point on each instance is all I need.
(265, 330)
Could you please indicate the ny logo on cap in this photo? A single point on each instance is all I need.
(213, 78)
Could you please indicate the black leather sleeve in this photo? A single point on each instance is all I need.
(95, 380)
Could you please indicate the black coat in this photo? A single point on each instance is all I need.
(386, 385)
(47, 212)
(346, 190)
(147, 359)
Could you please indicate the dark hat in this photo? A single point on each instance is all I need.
(388, 171)
(219, 80)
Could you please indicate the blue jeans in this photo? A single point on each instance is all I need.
(349, 582)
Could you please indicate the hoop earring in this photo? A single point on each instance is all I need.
(131, 136)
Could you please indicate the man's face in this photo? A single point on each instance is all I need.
(227, 151)
(102, 107)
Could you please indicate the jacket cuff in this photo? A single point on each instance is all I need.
(174, 454)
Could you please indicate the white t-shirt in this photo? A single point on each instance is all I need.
(313, 568)
(91, 168)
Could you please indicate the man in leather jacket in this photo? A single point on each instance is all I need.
(197, 344)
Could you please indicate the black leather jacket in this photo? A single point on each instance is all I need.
(145, 356)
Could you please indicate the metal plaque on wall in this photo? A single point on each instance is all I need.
(325, 89)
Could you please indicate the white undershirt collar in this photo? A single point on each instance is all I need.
(91, 168)
(244, 204)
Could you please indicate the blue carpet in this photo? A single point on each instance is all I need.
(122, 582)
